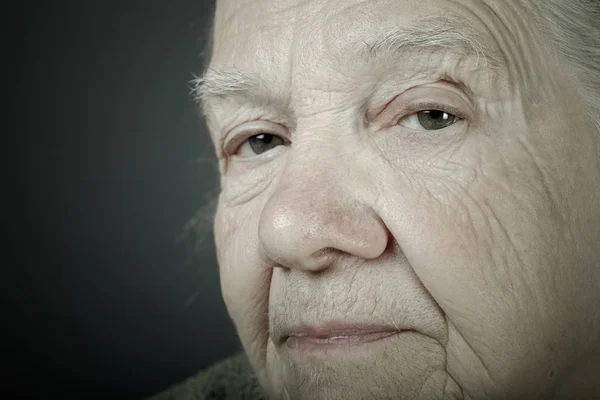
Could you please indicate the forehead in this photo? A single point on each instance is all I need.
(252, 33)
(304, 53)
(304, 47)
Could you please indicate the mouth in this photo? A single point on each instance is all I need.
(294, 342)
(332, 338)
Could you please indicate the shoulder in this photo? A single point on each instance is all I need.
(230, 378)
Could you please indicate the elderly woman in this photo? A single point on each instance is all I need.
(409, 202)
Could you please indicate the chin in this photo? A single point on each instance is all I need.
(407, 365)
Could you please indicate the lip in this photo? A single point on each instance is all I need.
(331, 329)
(334, 334)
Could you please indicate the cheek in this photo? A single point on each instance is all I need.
(235, 252)
(486, 241)
(244, 283)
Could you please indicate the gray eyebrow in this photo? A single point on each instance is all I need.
(215, 83)
(430, 34)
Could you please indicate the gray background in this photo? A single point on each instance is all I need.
(106, 159)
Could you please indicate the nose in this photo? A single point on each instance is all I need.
(314, 215)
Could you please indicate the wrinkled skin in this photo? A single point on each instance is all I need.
(482, 236)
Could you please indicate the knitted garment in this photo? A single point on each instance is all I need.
(231, 378)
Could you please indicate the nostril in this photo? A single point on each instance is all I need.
(322, 259)
(326, 252)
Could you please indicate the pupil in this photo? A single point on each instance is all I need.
(435, 114)
(265, 138)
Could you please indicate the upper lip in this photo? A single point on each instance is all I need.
(336, 329)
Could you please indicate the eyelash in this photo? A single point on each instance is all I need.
(234, 145)
(427, 105)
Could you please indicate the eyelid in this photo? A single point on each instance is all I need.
(437, 96)
(234, 138)
(415, 107)
(431, 105)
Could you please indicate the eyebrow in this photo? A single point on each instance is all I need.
(431, 34)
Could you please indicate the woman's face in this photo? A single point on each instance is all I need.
(409, 204)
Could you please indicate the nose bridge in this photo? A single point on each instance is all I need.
(315, 211)
(321, 158)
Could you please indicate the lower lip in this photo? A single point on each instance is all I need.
(315, 345)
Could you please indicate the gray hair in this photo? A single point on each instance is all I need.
(573, 27)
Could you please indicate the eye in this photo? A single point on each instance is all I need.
(259, 144)
(428, 120)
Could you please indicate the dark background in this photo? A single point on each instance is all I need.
(106, 160)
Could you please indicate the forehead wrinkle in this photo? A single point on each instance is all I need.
(449, 32)
(525, 67)
(380, 50)
(515, 53)
(430, 35)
